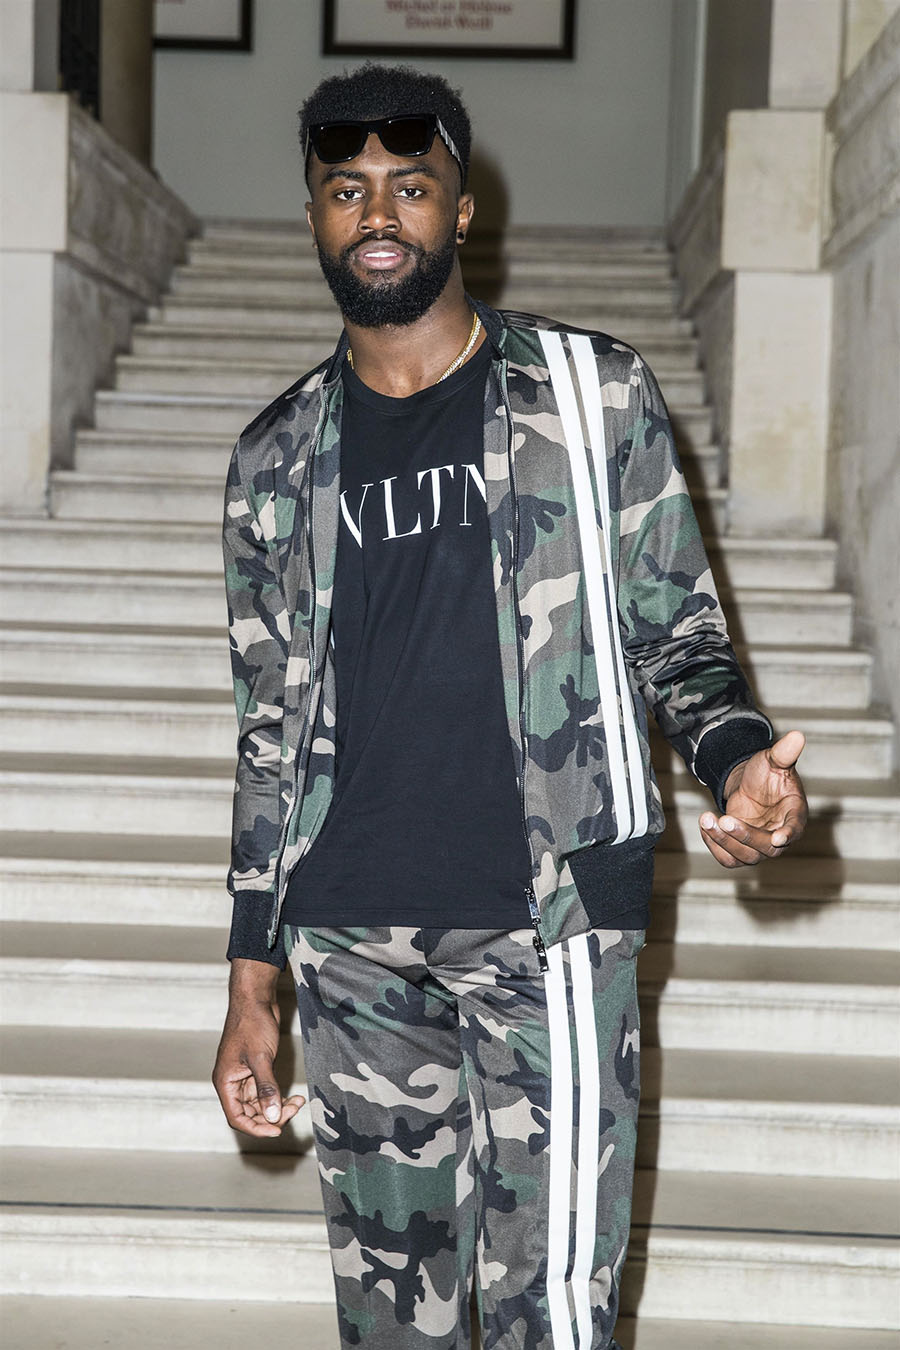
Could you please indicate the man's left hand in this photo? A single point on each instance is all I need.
(765, 807)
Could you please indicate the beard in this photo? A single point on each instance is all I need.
(380, 302)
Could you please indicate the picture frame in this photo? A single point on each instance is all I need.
(530, 29)
(203, 25)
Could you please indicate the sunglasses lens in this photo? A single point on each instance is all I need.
(407, 135)
(337, 141)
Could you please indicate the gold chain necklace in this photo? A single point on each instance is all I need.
(454, 365)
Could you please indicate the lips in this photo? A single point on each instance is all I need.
(380, 255)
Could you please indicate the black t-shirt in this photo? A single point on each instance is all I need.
(425, 827)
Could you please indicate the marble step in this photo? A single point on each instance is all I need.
(674, 354)
(112, 794)
(227, 415)
(794, 902)
(481, 270)
(104, 656)
(483, 262)
(172, 546)
(700, 1110)
(171, 600)
(115, 1089)
(191, 1324)
(108, 795)
(480, 257)
(145, 497)
(254, 239)
(839, 744)
(107, 454)
(811, 1251)
(693, 997)
(228, 377)
(533, 293)
(631, 324)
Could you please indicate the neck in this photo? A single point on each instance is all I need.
(399, 361)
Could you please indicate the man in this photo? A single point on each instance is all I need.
(460, 561)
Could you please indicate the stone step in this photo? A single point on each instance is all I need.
(108, 454)
(265, 379)
(193, 1324)
(186, 413)
(534, 294)
(700, 1110)
(84, 1222)
(845, 744)
(106, 795)
(859, 819)
(674, 354)
(483, 259)
(514, 241)
(103, 656)
(227, 415)
(179, 882)
(693, 997)
(115, 1089)
(75, 495)
(255, 236)
(631, 324)
(172, 546)
(121, 410)
(170, 600)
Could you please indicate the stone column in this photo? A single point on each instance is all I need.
(772, 226)
(87, 239)
(771, 240)
(29, 45)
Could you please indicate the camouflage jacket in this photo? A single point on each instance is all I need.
(605, 607)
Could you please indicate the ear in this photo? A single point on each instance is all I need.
(312, 228)
(465, 210)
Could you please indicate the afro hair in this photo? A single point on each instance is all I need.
(375, 91)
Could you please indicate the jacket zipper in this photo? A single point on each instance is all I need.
(281, 883)
(533, 907)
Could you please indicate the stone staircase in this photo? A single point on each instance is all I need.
(765, 1214)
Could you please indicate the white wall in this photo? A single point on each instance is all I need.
(686, 84)
(580, 143)
(863, 253)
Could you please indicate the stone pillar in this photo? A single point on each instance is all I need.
(34, 132)
(126, 75)
(29, 45)
(771, 240)
(87, 240)
(805, 52)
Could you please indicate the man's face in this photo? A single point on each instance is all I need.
(386, 230)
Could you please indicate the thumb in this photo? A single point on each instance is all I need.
(267, 1092)
(786, 751)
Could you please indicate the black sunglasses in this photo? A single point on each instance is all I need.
(336, 142)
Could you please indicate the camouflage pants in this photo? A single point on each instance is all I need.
(475, 1120)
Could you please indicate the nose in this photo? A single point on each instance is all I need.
(379, 213)
(379, 210)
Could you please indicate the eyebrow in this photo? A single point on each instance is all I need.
(423, 169)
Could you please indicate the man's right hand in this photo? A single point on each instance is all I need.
(244, 1074)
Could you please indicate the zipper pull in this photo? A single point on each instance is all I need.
(538, 939)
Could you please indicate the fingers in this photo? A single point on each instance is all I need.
(246, 1111)
(786, 751)
(268, 1097)
(734, 843)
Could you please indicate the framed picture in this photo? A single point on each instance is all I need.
(213, 25)
(535, 28)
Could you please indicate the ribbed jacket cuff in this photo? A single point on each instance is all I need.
(249, 930)
(726, 746)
